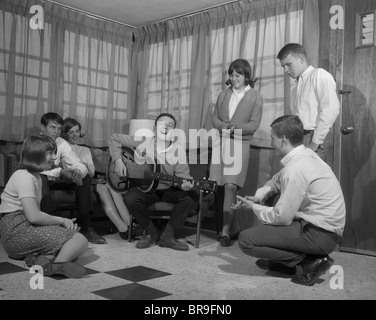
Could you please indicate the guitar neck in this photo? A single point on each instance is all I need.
(167, 178)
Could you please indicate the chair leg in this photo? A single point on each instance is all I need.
(219, 197)
(199, 220)
(130, 228)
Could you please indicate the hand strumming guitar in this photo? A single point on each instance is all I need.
(120, 168)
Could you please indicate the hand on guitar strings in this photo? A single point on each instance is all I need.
(120, 168)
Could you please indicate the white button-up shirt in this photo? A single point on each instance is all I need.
(309, 191)
(235, 99)
(65, 158)
(315, 101)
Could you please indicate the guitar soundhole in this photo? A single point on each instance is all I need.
(129, 158)
(119, 184)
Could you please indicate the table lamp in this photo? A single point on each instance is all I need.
(141, 127)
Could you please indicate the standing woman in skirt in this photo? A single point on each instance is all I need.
(28, 233)
(237, 115)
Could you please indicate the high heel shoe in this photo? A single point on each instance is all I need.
(137, 232)
(234, 236)
(225, 241)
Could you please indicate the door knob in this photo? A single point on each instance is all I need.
(347, 130)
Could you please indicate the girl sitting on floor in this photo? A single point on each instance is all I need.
(28, 233)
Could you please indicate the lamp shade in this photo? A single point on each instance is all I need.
(141, 127)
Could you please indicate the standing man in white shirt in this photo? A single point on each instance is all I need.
(68, 169)
(307, 222)
(314, 98)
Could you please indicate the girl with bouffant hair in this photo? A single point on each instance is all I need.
(241, 66)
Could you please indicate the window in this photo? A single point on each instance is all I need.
(86, 76)
(365, 30)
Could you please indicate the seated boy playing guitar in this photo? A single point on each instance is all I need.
(173, 190)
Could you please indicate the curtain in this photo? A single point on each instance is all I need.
(76, 66)
(181, 64)
(86, 68)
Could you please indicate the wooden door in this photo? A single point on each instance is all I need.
(358, 132)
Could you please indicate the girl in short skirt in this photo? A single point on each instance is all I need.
(28, 233)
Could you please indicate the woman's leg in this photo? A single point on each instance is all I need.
(228, 213)
(73, 248)
(110, 208)
(120, 205)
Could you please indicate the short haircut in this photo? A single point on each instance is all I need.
(165, 114)
(51, 116)
(289, 126)
(242, 67)
(293, 48)
(34, 151)
(68, 124)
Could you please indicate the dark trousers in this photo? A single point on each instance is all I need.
(287, 244)
(138, 202)
(83, 198)
(323, 148)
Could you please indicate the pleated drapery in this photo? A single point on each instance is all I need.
(181, 64)
(76, 66)
(90, 69)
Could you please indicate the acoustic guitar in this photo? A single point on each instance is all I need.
(146, 176)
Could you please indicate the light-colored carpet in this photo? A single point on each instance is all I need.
(207, 273)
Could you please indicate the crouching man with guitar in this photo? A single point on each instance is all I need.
(145, 189)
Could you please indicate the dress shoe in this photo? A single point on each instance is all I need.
(312, 270)
(66, 269)
(93, 237)
(123, 235)
(173, 244)
(144, 242)
(275, 266)
(225, 241)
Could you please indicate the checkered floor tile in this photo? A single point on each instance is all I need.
(7, 267)
(120, 271)
(132, 291)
